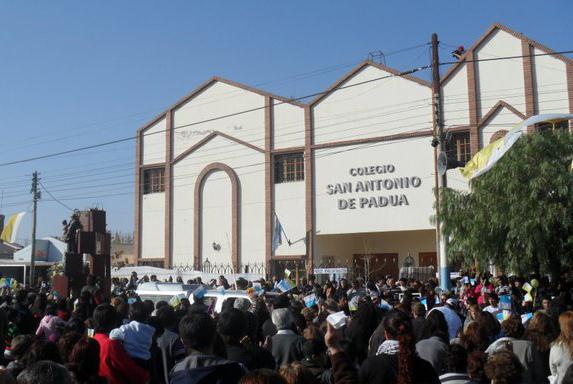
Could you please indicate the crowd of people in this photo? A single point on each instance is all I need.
(484, 329)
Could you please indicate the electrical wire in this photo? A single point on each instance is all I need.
(53, 197)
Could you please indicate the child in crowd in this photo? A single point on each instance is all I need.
(136, 335)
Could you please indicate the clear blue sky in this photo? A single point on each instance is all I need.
(75, 73)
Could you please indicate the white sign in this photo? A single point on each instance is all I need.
(330, 271)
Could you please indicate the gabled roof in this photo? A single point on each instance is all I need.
(209, 83)
(495, 109)
(210, 137)
(359, 68)
(500, 27)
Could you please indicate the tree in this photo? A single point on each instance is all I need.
(519, 215)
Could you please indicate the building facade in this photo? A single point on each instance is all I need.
(350, 176)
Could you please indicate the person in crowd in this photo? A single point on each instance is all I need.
(232, 327)
(66, 344)
(20, 346)
(418, 317)
(137, 336)
(364, 322)
(50, 325)
(198, 333)
(530, 361)
(169, 343)
(561, 352)
(455, 366)
(396, 357)
(493, 306)
(314, 352)
(452, 318)
(541, 332)
(296, 373)
(286, 344)
(115, 364)
(435, 340)
(84, 362)
(45, 372)
(476, 368)
(503, 367)
(262, 376)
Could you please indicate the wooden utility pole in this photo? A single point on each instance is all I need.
(442, 181)
(36, 195)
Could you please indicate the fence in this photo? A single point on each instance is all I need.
(223, 268)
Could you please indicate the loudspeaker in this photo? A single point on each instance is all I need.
(86, 242)
(93, 220)
(74, 265)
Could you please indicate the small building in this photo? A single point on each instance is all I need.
(350, 175)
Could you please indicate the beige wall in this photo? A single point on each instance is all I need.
(385, 107)
(153, 143)
(219, 99)
(410, 158)
(153, 226)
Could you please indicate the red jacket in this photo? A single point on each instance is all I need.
(116, 365)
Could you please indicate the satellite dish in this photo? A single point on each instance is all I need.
(442, 163)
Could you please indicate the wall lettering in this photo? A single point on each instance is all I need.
(388, 182)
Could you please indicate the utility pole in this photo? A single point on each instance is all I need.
(36, 195)
(441, 180)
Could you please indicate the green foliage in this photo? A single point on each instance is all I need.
(519, 215)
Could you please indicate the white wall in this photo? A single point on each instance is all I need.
(455, 98)
(154, 143)
(551, 80)
(288, 125)
(249, 166)
(218, 100)
(500, 79)
(411, 158)
(503, 119)
(217, 218)
(380, 108)
(153, 225)
(290, 209)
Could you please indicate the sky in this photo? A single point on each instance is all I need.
(78, 73)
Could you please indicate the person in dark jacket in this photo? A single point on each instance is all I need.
(396, 360)
(201, 365)
(232, 326)
(169, 343)
(286, 344)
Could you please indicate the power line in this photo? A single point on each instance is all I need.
(53, 197)
(404, 73)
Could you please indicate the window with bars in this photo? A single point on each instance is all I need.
(153, 180)
(557, 126)
(289, 167)
(460, 146)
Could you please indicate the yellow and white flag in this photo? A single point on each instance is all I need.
(10, 231)
(486, 158)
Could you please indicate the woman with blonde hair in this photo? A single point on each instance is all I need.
(560, 356)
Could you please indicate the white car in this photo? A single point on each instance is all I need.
(156, 291)
(213, 298)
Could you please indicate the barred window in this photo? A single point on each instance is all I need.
(461, 146)
(153, 180)
(557, 126)
(289, 167)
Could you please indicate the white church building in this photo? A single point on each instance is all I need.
(349, 175)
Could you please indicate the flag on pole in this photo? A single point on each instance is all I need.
(10, 231)
(486, 158)
(277, 233)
